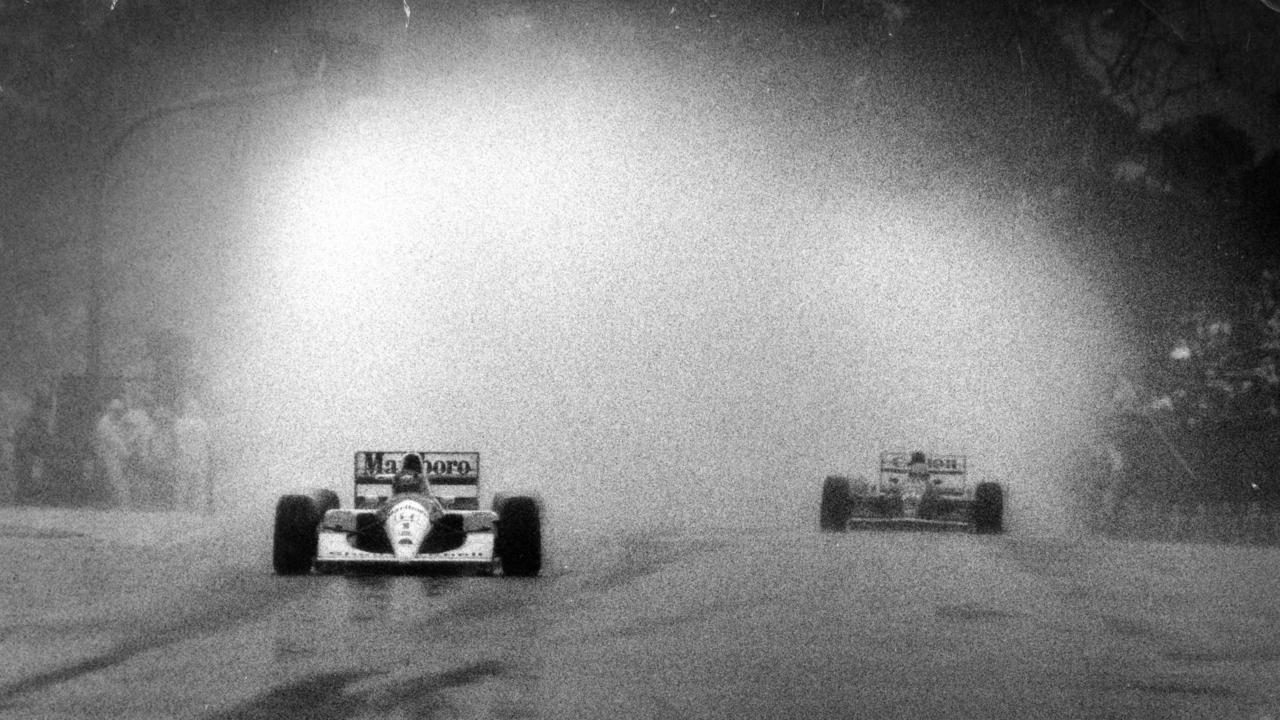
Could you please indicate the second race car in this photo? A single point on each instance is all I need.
(913, 490)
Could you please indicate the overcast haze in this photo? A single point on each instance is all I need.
(616, 278)
(666, 265)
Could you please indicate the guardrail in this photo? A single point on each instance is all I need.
(1235, 523)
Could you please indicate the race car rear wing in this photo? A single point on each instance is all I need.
(948, 470)
(900, 462)
(454, 476)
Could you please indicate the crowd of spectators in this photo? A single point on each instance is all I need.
(141, 455)
(1199, 423)
(152, 456)
(1222, 363)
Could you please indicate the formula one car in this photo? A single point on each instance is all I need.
(913, 490)
(412, 511)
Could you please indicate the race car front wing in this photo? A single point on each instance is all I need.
(905, 523)
(336, 552)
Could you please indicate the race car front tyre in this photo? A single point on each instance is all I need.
(293, 547)
(988, 508)
(499, 499)
(930, 506)
(518, 540)
(833, 516)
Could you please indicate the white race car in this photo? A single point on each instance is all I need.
(412, 511)
(914, 490)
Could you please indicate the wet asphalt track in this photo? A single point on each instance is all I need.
(708, 624)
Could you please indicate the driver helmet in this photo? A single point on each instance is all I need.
(407, 481)
(412, 462)
(918, 468)
(410, 478)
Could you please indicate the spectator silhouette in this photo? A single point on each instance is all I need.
(139, 434)
(111, 451)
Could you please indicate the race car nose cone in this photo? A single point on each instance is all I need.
(407, 524)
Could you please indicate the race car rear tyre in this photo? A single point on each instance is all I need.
(833, 516)
(929, 508)
(518, 542)
(293, 547)
(988, 508)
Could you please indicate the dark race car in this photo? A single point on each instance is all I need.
(913, 490)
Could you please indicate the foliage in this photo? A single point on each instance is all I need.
(1153, 58)
(1202, 420)
(1197, 169)
(1206, 155)
(1222, 363)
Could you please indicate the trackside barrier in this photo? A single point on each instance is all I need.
(1234, 523)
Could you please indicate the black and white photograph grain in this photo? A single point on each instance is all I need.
(640, 359)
